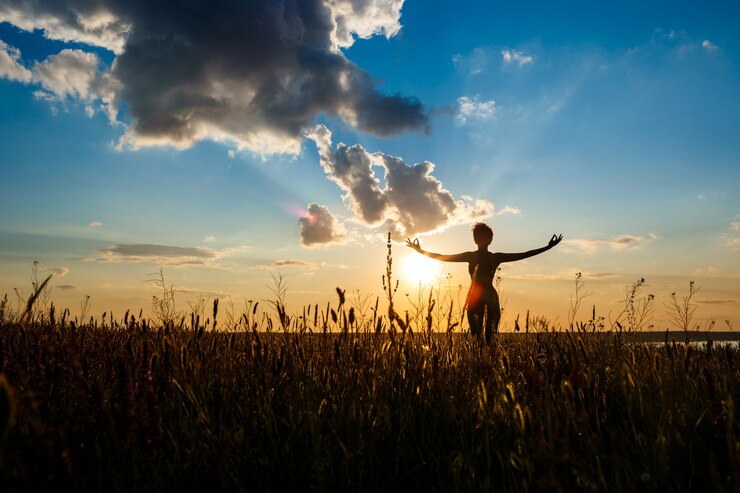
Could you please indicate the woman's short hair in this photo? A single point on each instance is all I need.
(482, 234)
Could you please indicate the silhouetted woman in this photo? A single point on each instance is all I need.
(482, 300)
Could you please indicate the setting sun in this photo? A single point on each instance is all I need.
(420, 269)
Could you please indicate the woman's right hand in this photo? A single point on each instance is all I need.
(413, 244)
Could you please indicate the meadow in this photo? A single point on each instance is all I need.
(344, 399)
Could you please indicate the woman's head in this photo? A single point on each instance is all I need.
(482, 234)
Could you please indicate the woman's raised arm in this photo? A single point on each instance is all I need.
(513, 257)
(455, 257)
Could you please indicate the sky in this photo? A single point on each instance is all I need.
(226, 142)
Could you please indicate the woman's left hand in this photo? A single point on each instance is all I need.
(413, 244)
(554, 240)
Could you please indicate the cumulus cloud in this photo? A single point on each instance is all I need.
(253, 74)
(412, 201)
(516, 57)
(95, 224)
(320, 227)
(76, 75)
(10, 67)
(514, 211)
(619, 243)
(474, 109)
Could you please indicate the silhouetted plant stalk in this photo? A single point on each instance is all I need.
(390, 290)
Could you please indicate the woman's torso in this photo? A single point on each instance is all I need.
(486, 265)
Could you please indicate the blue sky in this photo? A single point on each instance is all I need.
(615, 125)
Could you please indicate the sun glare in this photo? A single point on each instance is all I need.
(420, 269)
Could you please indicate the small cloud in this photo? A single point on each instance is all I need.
(735, 226)
(733, 242)
(708, 45)
(95, 224)
(209, 239)
(715, 302)
(474, 109)
(167, 255)
(516, 57)
(514, 211)
(66, 287)
(156, 254)
(320, 227)
(57, 271)
(619, 243)
(231, 154)
(296, 264)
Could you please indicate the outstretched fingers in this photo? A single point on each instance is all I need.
(413, 244)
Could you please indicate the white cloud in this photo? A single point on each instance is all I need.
(412, 201)
(89, 23)
(516, 57)
(95, 224)
(735, 226)
(708, 45)
(75, 75)
(515, 211)
(10, 67)
(209, 239)
(364, 18)
(474, 109)
(70, 73)
(320, 227)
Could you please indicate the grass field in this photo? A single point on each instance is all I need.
(132, 407)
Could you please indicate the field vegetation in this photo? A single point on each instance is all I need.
(352, 397)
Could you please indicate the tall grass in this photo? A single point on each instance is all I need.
(142, 408)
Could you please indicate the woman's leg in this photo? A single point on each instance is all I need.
(475, 320)
(493, 317)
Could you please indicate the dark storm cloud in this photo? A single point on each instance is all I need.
(254, 73)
